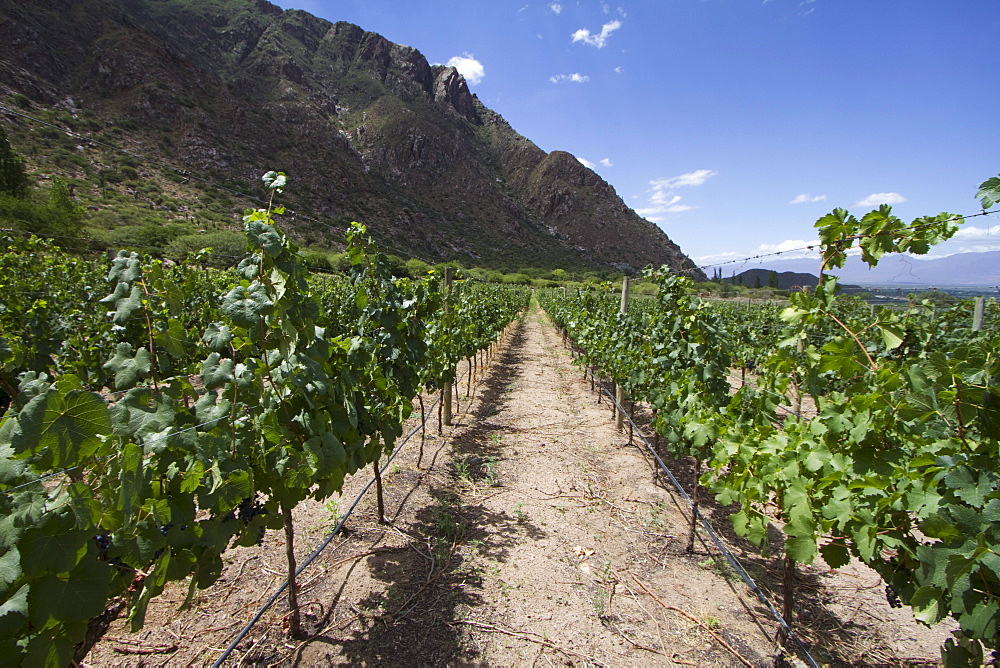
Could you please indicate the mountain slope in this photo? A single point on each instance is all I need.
(366, 129)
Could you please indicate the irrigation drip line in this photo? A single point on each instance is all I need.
(326, 542)
(736, 565)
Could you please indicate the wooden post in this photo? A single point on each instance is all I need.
(378, 495)
(619, 392)
(446, 388)
(294, 621)
(978, 313)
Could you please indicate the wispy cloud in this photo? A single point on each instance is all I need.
(468, 67)
(664, 200)
(556, 8)
(877, 199)
(695, 178)
(607, 162)
(806, 198)
(790, 249)
(599, 40)
(586, 163)
(572, 78)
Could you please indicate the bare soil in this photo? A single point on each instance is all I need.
(533, 533)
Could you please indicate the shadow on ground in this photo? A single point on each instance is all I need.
(432, 583)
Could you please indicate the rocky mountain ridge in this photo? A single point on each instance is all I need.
(366, 129)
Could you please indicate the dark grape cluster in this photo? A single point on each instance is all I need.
(247, 509)
(103, 545)
(892, 598)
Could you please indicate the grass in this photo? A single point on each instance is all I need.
(333, 514)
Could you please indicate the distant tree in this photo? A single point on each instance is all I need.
(756, 281)
(517, 279)
(13, 180)
(772, 279)
(417, 268)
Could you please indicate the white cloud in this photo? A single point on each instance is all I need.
(586, 163)
(695, 178)
(605, 8)
(966, 233)
(468, 67)
(576, 77)
(607, 162)
(555, 7)
(584, 35)
(876, 199)
(619, 70)
(806, 198)
(663, 198)
(799, 245)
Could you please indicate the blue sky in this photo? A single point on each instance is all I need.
(735, 124)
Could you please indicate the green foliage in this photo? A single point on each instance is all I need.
(225, 248)
(58, 216)
(155, 485)
(13, 180)
(896, 467)
(989, 192)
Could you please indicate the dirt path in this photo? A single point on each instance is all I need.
(533, 534)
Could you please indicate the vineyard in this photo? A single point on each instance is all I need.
(895, 462)
(161, 415)
(150, 428)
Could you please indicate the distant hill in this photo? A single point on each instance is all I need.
(784, 280)
(963, 269)
(366, 130)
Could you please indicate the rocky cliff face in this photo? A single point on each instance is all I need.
(366, 129)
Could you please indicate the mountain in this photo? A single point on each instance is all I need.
(962, 269)
(366, 130)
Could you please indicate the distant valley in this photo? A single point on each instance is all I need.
(965, 269)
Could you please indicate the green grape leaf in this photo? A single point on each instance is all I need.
(65, 429)
(835, 554)
(266, 237)
(10, 569)
(172, 339)
(141, 412)
(892, 336)
(989, 192)
(801, 549)
(128, 370)
(14, 613)
(217, 336)
(246, 306)
(927, 603)
(74, 596)
(274, 180)
(216, 372)
(126, 307)
(983, 621)
(53, 546)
